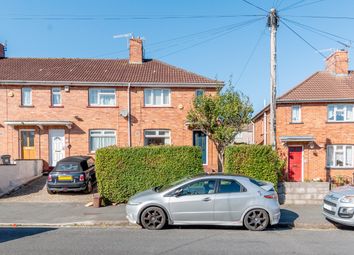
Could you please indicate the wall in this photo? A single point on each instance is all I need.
(15, 175)
(75, 108)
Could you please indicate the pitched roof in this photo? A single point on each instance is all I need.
(96, 70)
(322, 86)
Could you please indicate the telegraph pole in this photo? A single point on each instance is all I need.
(273, 19)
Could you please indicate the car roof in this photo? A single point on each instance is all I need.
(75, 159)
(218, 175)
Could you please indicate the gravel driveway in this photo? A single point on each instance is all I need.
(36, 191)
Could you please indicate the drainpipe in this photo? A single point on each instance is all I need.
(265, 128)
(129, 119)
(252, 132)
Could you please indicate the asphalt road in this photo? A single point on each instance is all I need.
(15, 241)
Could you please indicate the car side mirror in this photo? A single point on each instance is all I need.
(178, 192)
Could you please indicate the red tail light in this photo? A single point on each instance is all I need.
(49, 178)
(272, 196)
(82, 177)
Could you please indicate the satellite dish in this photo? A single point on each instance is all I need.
(124, 113)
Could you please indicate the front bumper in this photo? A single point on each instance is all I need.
(332, 212)
(132, 213)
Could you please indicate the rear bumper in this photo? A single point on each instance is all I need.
(66, 186)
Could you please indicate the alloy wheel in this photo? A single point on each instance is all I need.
(256, 220)
(153, 218)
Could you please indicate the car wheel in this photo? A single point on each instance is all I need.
(256, 220)
(50, 192)
(153, 218)
(89, 187)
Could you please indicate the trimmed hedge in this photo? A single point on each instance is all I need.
(122, 172)
(256, 161)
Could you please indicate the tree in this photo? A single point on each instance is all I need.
(220, 117)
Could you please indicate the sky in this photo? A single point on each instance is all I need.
(223, 39)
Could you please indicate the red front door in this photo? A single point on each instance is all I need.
(295, 163)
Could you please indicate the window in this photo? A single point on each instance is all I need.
(340, 156)
(101, 138)
(157, 137)
(228, 186)
(199, 92)
(296, 113)
(56, 96)
(102, 97)
(157, 97)
(199, 188)
(238, 135)
(26, 99)
(340, 113)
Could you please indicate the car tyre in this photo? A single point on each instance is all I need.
(256, 220)
(153, 218)
(89, 187)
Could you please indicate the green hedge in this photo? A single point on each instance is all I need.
(256, 161)
(122, 172)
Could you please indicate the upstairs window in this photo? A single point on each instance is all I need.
(56, 96)
(340, 112)
(102, 97)
(199, 92)
(157, 137)
(157, 97)
(26, 97)
(340, 156)
(296, 113)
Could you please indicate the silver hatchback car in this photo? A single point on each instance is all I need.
(338, 205)
(207, 200)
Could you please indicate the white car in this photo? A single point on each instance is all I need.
(338, 205)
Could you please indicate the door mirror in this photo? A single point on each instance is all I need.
(178, 192)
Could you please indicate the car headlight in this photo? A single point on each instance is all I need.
(347, 199)
(133, 203)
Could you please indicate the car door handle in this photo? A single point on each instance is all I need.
(207, 199)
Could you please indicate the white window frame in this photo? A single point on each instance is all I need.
(152, 104)
(99, 93)
(292, 114)
(335, 150)
(157, 135)
(335, 110)
(56, 93)
(22, 96)
(101, 135)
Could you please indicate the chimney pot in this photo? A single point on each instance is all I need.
(338, 63)
(136, 51)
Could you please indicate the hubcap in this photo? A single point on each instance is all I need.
(256, 219)
(152, 219)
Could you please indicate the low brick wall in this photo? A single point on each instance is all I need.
(15, 175)
(302, 192)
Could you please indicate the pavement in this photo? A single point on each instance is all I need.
(76, 215)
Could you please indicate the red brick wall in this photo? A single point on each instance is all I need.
(314, 123)
(75, 108)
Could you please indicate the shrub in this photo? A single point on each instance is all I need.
(122, 172)
(256, 161)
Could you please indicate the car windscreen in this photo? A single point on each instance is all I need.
(168, 186)
(67, 167)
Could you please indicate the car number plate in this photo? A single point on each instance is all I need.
(328, 207)
(65, 178)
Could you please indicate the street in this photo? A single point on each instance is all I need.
(16, 241)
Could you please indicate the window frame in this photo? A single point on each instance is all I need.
(30, 96)
(292, 114)
(193, 182)
(52, 96)
(199, 90)
(100, 136)
(334, 151)
(335, 110)
(158, 136)
(98, 97)
(153, 96)
(242, 188)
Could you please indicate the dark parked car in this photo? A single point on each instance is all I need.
(75, 173)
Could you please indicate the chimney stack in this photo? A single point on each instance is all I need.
(338, 63)
(2, 50)
(136, 51)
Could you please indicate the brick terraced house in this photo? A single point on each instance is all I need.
(53, 108)
(315, 123)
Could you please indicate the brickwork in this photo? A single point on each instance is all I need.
(76, 109)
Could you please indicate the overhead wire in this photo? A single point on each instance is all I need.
(303, 39)
(256, 6)
(291, 5)
(210, 39)
(302, 5)
(320, 17)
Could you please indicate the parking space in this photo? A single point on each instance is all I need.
(36, 192)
